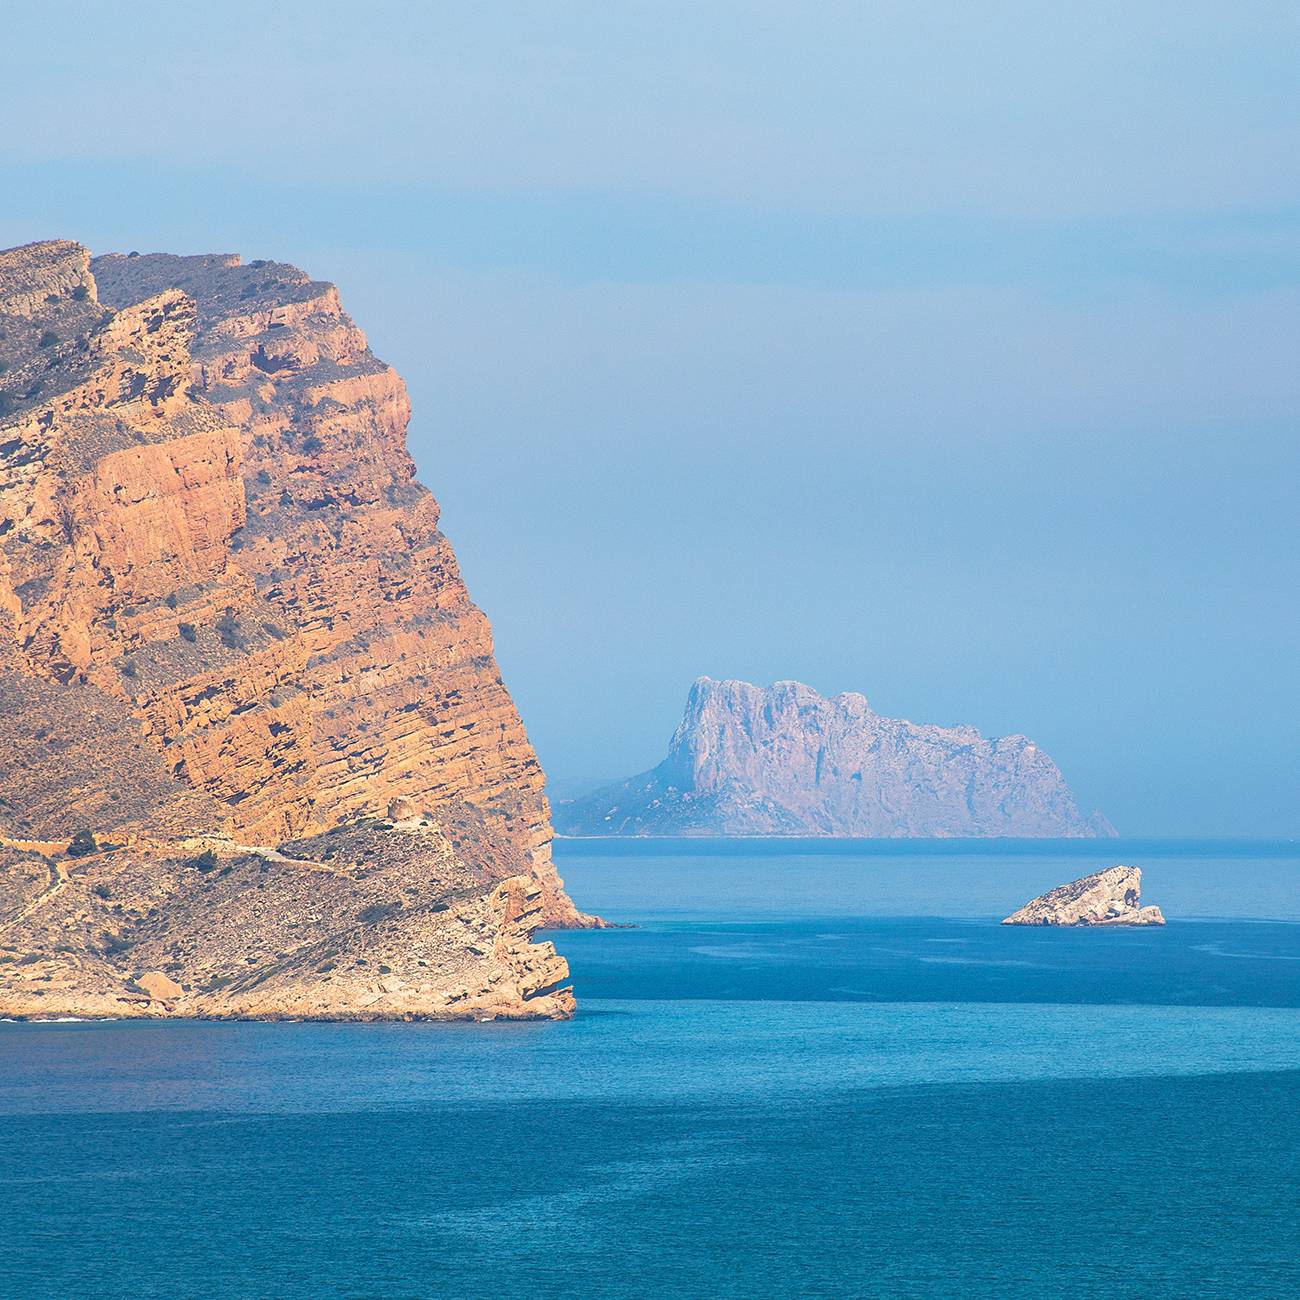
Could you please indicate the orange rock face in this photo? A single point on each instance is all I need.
(213, 547)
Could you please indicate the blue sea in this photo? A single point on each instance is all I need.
(813, 1069)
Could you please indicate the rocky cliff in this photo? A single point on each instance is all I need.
(786, 761)
(1110, 897)
(229, 624)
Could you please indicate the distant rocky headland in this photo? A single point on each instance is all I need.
(258, 758)
(784, 760)
(1110, 897)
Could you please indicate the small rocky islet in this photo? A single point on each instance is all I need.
(1110, 897)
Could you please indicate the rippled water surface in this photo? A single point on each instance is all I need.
(812, 1071)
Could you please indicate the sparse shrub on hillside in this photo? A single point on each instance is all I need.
(82, 844)
(81, 293)
(205, 862)
(378, 912)
(228, 631)
(170, 600)
(100, 891)
(47, 340)
(188, 631)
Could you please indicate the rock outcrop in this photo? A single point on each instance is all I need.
(1110, 897)
(229, 622)
(786, 761)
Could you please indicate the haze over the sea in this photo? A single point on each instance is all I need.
(937, 351)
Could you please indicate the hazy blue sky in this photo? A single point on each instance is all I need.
(945, 352)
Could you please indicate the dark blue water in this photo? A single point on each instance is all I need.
(774, 1089)
(1207, 963)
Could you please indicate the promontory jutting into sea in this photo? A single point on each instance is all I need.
(259, 760)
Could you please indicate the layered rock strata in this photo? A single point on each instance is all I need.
(1110, 897)
(786, 761)
(229, 621)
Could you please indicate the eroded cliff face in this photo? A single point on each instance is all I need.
(228, 618)
(786, 761)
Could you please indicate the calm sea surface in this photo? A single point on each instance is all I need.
(814, 1070)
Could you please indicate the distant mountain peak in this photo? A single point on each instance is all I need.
(786, 760)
